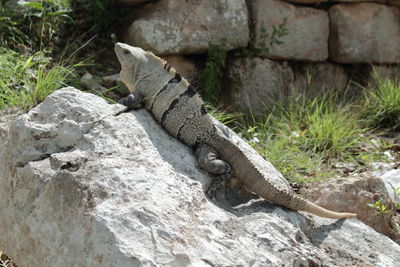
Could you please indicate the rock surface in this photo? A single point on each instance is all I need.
(354, 194)
(392, 180)
(132, 2)
(308, 30)
(114, 81)
(187, 27)
(393, 2)
(254, 84)
(347, 1)
(372, 72)
(184, 66)
(7, 115)
(316, 79)
(92, 84)
(359, 33)
(83, 185)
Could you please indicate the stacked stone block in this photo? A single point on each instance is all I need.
(187, 27)
(365, 32)
(308, 30)
(326, 39)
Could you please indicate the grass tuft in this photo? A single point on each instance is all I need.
(227, 118)
(302, 137)
(381, 107)
(26, 80)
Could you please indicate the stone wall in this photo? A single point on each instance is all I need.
(329, 42)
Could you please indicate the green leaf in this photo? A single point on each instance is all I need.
(27, 63)
(60, 12)
(36, 5)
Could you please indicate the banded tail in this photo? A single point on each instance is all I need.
(249, 175)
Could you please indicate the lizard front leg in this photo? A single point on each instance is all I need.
(133, 100)
(208, 160)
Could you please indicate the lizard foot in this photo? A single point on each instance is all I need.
(132, 101)
(225, 179)
(221, 170)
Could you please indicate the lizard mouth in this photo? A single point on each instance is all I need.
(119, 50)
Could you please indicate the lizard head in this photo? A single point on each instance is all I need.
(142, 70)
(130, 59)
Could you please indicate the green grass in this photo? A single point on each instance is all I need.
(10, 32)
(26, 80)
(303, 139)
(227, 118)
(307, 138)
(381, 106)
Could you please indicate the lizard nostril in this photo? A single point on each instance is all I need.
(126, 51)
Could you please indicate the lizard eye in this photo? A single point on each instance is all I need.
(126, 52)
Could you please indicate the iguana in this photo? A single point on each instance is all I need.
(179, 109)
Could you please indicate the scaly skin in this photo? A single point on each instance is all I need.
(248, 174)
(179, 110)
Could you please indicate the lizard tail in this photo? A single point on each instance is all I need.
(320, 211)
(250, 176)
(289, 199)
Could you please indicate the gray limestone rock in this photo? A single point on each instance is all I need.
(308, 30)
(354, 194)
(372, 73)
(255, 84)
(391, 179)
(316, 79)
(187, 27)
(84, 185)
(364, 33)
(185, 66)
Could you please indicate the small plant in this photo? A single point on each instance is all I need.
(380, 207)
(396, 191)
(383, 207)
(47, 17)
(41, 20)
(267, 40)
(211, 77)
(381, 107)
(10, 32)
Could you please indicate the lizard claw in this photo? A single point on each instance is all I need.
(211, 190)
(126, 101)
